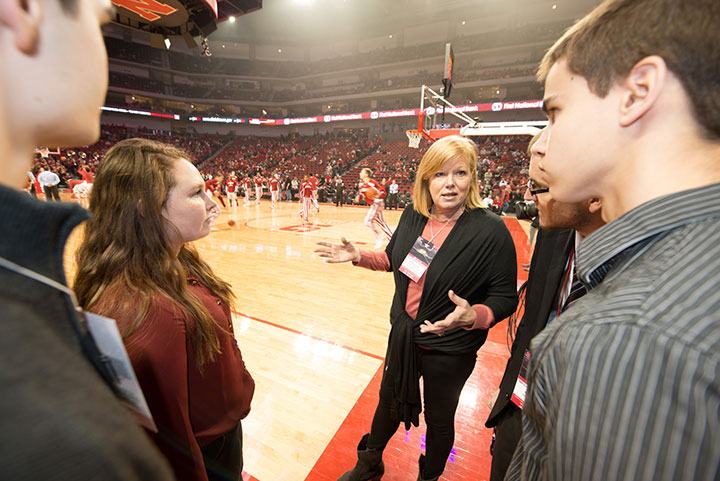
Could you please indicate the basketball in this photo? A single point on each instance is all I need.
(371, 194)
(231, 222)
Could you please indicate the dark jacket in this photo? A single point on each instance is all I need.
(478, 262)
(541, 297)
(60, 420)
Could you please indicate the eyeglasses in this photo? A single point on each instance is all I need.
(535, 190)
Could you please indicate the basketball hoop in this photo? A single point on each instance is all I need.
(414, 137)
(45, 152)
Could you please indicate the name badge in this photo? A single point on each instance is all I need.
(418, 259)
(109, 341)
(518, 395)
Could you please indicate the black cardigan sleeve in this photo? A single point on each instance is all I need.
(502, 295)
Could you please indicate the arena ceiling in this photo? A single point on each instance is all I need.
(316, 30)
(311, 22)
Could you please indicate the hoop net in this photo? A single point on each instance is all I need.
(414, 137)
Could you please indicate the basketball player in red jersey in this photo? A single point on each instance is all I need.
(274, 190)
(231, 187)
(85, 174)
(374, 195)
(247, 183)
(314, 183)
(306, 197)
(213, 188)
(259, 179)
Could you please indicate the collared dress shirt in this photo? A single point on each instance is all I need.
(625, 384)
(48, 178)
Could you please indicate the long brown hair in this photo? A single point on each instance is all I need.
(126, 258)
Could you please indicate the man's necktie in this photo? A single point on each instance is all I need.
(577, 290)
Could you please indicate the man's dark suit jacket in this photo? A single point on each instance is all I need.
(541, 297)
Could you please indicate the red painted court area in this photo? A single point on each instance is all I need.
(304, 227)
(470, 458)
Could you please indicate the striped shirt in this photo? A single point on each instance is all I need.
(625, 385)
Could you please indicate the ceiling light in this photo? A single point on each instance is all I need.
(231, 19)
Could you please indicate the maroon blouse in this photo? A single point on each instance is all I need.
(190, 408)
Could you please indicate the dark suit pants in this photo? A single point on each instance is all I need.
(507, 437)
(51, 193)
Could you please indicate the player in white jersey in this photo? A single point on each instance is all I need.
(82, 192)
(231, 186)
(258, 187)
(247, 184)
(305, 198)
(314, 184)
(374, 195)
(274, 190)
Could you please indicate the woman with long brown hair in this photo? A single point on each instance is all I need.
(135, 265)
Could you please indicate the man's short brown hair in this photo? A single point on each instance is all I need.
(605, 45)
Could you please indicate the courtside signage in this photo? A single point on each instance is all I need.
(375, 115)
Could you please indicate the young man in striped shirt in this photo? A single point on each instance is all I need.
(625, 384)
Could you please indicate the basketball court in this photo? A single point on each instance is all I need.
(313, 335)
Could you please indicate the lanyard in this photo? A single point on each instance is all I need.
(125, 387)
(78, 321)
(97, 358)
(432, 236)
(24, 271)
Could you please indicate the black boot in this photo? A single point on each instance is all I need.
(420, 477)
(369, 465)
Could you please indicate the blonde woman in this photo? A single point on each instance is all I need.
(454, 266)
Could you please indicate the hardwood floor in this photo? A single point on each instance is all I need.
(313, 335)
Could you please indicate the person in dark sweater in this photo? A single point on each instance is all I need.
(339, 191)
(454, 266)
(61, 420)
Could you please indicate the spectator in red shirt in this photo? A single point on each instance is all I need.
(504, 200)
